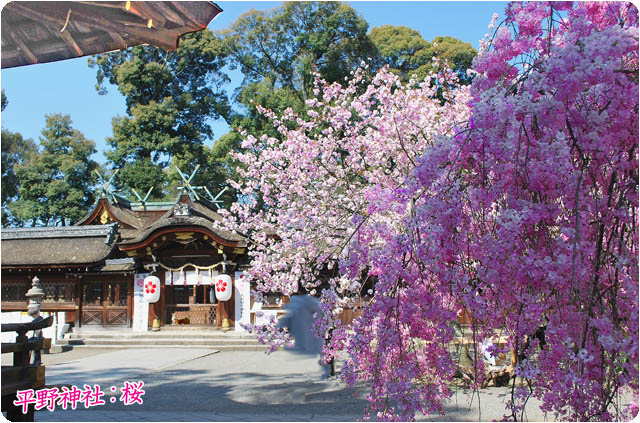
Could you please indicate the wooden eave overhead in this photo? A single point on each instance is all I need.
(48, 31)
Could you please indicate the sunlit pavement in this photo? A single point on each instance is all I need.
(206, 385)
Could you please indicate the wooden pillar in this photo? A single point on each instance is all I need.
(163, 296)
(104, 301)
(154, 312)
(231, 307)
(152, 315)
(79, 302)
(21, 358)
(130, 282)
(220, 313)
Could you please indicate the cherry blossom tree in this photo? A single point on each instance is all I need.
(336, 179)
(551, 201)
(308, 194)
(515, 202)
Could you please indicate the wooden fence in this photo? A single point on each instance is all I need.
(22, 375)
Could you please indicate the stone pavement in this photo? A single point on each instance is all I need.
(205, 385)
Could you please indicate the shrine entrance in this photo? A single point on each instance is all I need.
(190, 305)
(104, 303)
(189, 299)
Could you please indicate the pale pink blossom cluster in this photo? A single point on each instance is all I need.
(515, 201)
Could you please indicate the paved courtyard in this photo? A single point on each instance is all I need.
(207, 385)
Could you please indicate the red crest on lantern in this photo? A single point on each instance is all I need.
(151, 289)
(223, 287)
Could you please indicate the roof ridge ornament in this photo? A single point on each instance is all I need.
(215, 200)
(40, 232)
(181, 209)
(143, 201)
(186, 187)
(108, 190)
(113, 233)
(191, 190)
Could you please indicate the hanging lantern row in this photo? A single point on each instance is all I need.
(222, 282)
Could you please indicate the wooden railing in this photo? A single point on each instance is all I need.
(22, 375)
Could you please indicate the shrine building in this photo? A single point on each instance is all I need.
(93, 272)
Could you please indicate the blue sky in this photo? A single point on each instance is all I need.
(69, 86)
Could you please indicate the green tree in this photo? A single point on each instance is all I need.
(457, 54)
(408, 54)
(278, 50)
(209, 173)
(399, 47)
(15, 151)
(216, 166)
(55, 184)
(282, 46)
(171, 98)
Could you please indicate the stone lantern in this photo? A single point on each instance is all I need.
(35, 296)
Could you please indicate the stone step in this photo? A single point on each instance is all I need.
(201, 337)
(161, 334)
(257, 347)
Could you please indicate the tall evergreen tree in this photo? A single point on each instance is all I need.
(171, 99)
(278, 50)
(409, 55)
(5, 101)
(55, 183)
(15, 151)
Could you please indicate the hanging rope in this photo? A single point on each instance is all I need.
(196, 267)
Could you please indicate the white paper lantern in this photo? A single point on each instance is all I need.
(223, 287)
(151, 289)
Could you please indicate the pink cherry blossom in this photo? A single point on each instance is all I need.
(515, 202)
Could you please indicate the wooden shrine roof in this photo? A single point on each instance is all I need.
(48, 31)
(115, 227)
(67, 245)
(138, 223)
